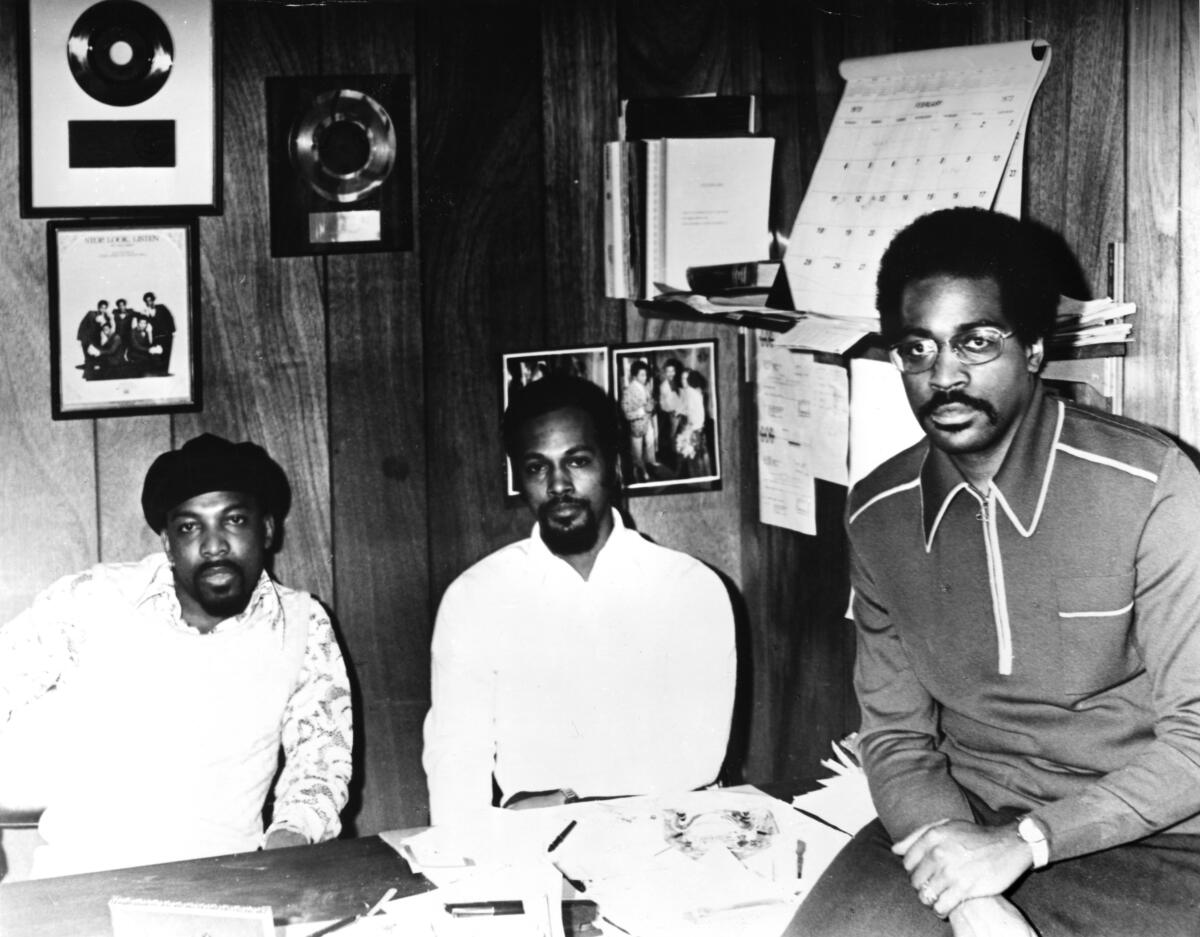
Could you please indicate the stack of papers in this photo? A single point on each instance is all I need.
(695, 864)
(843, 799)
(1093, 322)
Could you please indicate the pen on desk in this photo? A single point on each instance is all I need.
(484, 908)
(558, 840)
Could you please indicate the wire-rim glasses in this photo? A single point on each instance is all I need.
(979, 345)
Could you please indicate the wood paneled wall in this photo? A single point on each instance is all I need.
(374, 378)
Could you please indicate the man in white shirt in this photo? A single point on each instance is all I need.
(176, 681)
(584, 661)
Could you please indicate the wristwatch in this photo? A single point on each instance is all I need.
(1030, 832)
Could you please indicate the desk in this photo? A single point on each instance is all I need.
(303, 883)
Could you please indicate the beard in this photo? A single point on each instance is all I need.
(224, 599)
(579, 537)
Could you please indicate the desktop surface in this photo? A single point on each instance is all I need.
(303, 883)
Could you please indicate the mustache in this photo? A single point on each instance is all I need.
(943, 398)
(218, 564)
(561, 500)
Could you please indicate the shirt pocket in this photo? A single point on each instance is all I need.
(1095, 618)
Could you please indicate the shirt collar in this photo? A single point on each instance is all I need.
(264, 605)
(1024, 476)
(551, 562)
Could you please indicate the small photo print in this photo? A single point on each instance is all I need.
(668, 394)
(521, 368)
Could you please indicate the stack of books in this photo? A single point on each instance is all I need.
(1096, 328)
(675, 201)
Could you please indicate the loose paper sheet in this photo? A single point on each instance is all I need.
(881, 422)
(804, 430)
(914, 132)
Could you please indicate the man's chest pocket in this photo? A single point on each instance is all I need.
(1095, 627)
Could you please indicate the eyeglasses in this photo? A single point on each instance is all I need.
(974, 346)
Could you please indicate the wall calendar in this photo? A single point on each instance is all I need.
(914, 132)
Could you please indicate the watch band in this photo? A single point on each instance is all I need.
(1030, 832)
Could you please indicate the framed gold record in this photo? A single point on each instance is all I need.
(340, 164)
(119, 108)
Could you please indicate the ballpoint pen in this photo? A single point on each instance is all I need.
(484, 908)
(558, 840)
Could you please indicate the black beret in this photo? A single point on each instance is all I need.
(210, 463)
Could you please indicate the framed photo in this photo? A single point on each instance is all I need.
(125, 123)
(525, 367)
(669, 395)
(124, 317)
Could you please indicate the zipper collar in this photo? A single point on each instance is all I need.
(1020, 484)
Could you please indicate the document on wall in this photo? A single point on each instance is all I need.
(804, 418)
(914, 132)
(881, 422)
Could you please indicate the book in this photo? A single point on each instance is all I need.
(616, 241)
(749, 275)
(710, 115)
(1076, 352)
(622, 234)
(706, 201)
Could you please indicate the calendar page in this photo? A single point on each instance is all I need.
(914, 132)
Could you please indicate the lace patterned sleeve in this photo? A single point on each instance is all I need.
(39, 645)
(318, 733)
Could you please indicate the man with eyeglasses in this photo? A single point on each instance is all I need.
(1027, 605)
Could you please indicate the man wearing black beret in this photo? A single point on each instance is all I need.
(176, 680)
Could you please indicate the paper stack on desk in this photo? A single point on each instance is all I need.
(844, 799)
(701, 863)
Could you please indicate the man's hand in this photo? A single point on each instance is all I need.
(952, 860)
(989, 917)
(281, 839)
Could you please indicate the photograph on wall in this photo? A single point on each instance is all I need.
(119, 108)
(525, 367)
(124, 328)
(668, 394)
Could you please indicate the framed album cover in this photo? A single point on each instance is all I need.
(521, 368)
(340, 154)
(668, 393)
(119, 108)
(124, 317)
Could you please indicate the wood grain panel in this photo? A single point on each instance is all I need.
(579, 113)
(671, 47)
(1075, 181)
(1189, 226)
(47, 469)
(263, 321)
(377, 421)
(482, 266)
(125, 447)
(1152, 223)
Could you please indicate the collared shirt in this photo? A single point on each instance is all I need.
(622, 683)
(1037, 644)
(111, 614)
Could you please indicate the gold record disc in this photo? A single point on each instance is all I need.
(120, 52)
(344, 145)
